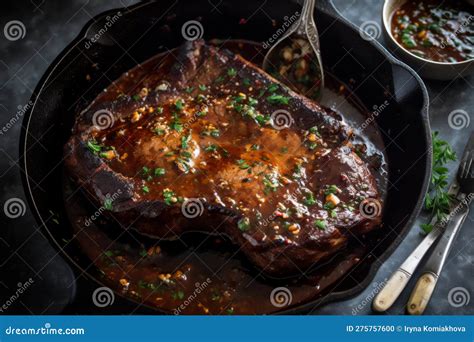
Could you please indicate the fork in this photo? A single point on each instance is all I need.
(426, 284)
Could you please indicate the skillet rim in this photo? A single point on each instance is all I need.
(325, 6)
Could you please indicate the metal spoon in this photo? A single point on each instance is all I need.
(296, 55)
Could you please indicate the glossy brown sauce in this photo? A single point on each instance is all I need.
(201, 274)
(441, 31)
(296, 65)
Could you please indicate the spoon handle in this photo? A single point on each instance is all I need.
(306, 16)
(308, 28)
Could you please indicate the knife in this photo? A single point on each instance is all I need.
(399, 279)
(427, 282)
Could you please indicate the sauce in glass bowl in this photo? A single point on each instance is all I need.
(440, 31)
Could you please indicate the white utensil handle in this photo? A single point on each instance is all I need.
(421, 294)
(391, 290)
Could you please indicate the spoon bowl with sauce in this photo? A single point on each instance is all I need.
(436, 38)
(295, 59)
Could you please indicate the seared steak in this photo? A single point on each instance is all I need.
(212, 143)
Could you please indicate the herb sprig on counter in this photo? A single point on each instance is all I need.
(438, 200)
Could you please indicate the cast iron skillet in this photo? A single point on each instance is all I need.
(146, 29)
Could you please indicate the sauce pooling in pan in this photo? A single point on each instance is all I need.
(204, 274)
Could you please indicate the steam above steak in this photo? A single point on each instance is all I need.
(211, 143)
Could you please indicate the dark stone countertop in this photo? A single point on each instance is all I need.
(25, 252)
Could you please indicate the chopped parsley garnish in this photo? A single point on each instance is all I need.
(145, 285)
(108, 203)
(262, 119)
(200, 98)
(145, 189)
(278, 99)
(179, 104)
(185, 140)
(176, 125)
(309, 199)
(211, 132)
(252, 102)
(169, 197)
(272, 88)
(202, 87)
(332, 189)
(298, 171)
(109, 253)
(159, 110)
(320, 224)
(94, 146)
(145, 171)
(211, 148)
(243, 164)
(215, 297)
(328, 206)
(438, 200)
(159, 171)
(108, 153)
(183, 163)
(225, 153)
(246, 82)
(160, 131)
(239, 98)
(314, 130)
(231, 72)
(255, 147)
(178, 295)
(189, 90)
(244, 224)
(136, 97)
(270, 182)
